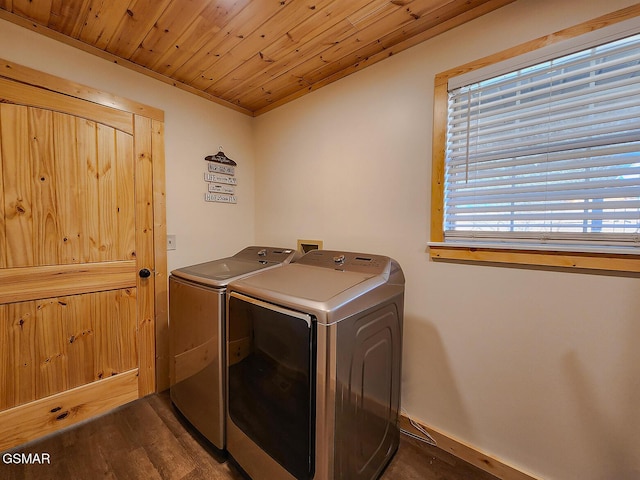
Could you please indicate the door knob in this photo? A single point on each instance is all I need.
(144, 273)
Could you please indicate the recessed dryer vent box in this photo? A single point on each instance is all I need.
(307, 245)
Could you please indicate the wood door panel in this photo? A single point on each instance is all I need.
(59, 343)
(125, 199)
(14, 130)
(50, 362)
(88, 160)
(70, 192)
(106, 194)
(66, 201)
(115, 329)
(44, 208)
(17, 364)
(81, 212)
(79, 333)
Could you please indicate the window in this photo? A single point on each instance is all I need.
(541, 153)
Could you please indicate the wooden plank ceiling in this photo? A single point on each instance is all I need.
(251, 55)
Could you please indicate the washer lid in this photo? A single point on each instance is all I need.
(219, 273)
(320, 286)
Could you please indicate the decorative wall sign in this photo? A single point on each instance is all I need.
(216, 188)
(212, 177)
(219, 197)
(220, 157)
(219, 168)
(220, 178)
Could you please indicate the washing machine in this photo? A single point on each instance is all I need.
(196, 333)
(314, 365)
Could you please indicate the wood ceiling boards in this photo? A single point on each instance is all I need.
(250, 55)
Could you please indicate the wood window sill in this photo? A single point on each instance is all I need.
(561, 258)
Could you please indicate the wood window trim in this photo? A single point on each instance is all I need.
(525, 257)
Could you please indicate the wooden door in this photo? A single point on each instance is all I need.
(77, 263)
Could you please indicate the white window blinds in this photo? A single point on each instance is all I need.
(549, 152)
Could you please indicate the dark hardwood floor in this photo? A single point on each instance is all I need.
(147, 439)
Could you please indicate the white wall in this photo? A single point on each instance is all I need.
(553, 389)
(194, 128)
(538, 368)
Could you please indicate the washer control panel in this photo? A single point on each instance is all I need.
(347, 261)
(267, 254)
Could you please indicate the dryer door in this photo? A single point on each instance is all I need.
(271, 352)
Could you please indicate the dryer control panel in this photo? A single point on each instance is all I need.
(347, 261)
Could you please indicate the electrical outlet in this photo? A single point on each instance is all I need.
(171, 242)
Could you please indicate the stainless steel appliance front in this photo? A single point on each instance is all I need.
(196, 372)
(196, 334)
(314, 368)
(271, 371)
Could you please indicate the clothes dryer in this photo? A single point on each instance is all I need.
(196, 333)
(314, 364)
